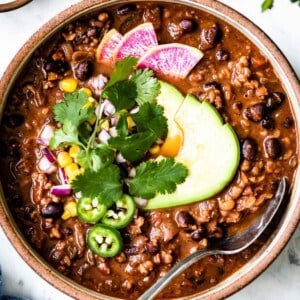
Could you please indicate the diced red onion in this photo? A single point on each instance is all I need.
(46, 166)
(141, 202)
(120, 159)
(132, 173)
(61, 190)
(108, 108)
(114, 120)
(49, 155)
(135, 110)
(46, 134)
(41, 142)
(97, 83)
(104, 136)
(78, 195)
(113, 131)
(63, 176)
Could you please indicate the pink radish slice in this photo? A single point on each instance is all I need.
(108, 46)
(173, 59)
(137, 41)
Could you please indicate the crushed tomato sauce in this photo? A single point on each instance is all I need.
(233, 75)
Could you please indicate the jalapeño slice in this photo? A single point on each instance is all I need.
(121, 213)
(90, 210)
(104, 240)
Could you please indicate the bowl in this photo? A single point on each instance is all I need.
(289, 219)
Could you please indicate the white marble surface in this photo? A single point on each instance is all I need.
(282, 24)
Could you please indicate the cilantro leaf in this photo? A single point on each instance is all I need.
(151, 117)
(133, 147)
(73, 109)
(67, 135)
(96, 159)
(105, 184)
(267, 4)
(122, 94)
(157, 177)
(122, 125)
(122, 70)
(147, 86)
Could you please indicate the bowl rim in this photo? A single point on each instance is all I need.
(283, 70)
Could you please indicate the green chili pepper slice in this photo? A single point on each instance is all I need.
(104, 240)
(90, 210)
(121, 213)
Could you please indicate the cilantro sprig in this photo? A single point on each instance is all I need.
(126, 88)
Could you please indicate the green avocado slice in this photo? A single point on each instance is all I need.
(210, 149)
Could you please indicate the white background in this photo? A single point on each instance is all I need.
(282, 24)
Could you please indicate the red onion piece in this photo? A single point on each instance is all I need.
(113, 131)
(49, 155)
(104, 136)
(46, 166)
(63, 176)
(46, 134)
(97, 83)
(108, 108)
(120, 159)
(141, 202)
(61, 190)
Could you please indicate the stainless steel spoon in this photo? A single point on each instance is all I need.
(230, 245)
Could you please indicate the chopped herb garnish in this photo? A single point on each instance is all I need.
(157, 177)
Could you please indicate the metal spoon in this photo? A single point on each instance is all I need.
(230, 245)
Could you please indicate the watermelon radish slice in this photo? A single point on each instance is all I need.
(173, 59)
(137, 41)
(106, 50)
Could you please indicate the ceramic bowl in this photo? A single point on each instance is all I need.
(290, 218)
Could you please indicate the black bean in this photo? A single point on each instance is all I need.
(256, 112)
(53, 210)
(288, 123)
(151, 248)
(249, 149)
(273, 147)
(14, 148)
(274, 100)
(268, 123)
(184, 219)
(209, 36)
(83, 70)
(188, 25)
(212, 84)
(126, 9)
(55, 66)
(222, 55)
(13, 120)
(17, 200)
(197, 235)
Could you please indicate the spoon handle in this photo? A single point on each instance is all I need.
(175, 271)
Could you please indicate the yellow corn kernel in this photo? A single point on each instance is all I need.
(72, 170)
(154, 150)
(171, 146)
(64, 159)
(68, 85)
(105, 125)
(87, 91)
(70, 210)
(74, 150)
(130, 122)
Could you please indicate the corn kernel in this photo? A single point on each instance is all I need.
(87, 91)
(130, 122)
(69, 210)
(72, 170)
(154, 150)
(105, 125)
(64, 159)
(74, 150)
(68, 85)
(88, 104)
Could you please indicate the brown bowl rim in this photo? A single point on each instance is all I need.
(275, 246)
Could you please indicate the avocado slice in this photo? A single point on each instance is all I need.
(210, 149)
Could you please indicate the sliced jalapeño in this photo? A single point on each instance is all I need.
(104, 240)
(90, 210)
(121, 213)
